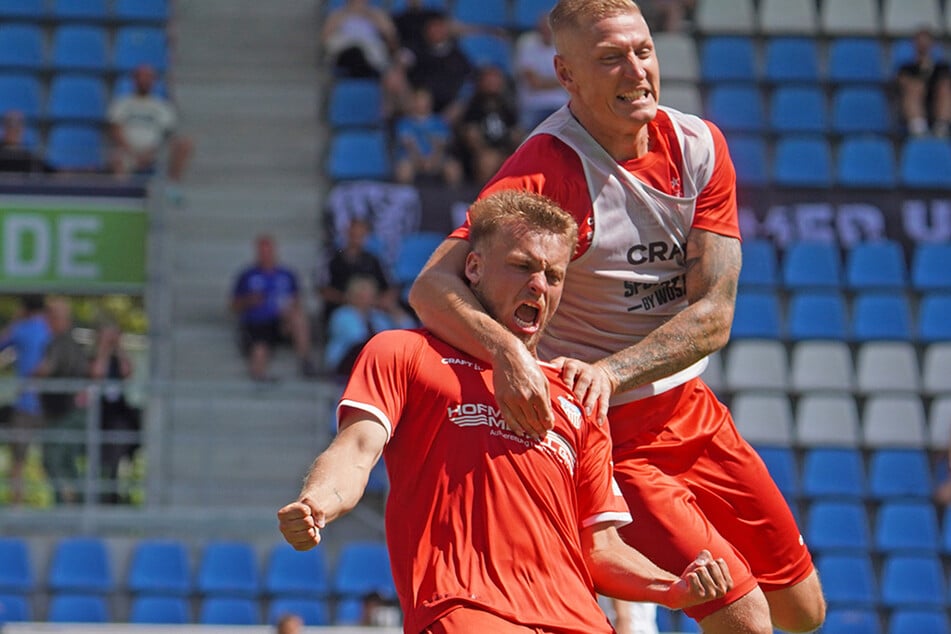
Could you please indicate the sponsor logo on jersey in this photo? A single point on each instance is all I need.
(463, 362)
(658, 251)
(475, 414)
(572, 413)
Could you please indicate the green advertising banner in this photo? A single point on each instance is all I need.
(72, 245)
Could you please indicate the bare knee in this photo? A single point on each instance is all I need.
(748, 615)
(800, 608)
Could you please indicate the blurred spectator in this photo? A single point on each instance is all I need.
(442, 68)
(141, 124)
(353, 259)
(266, 298)
(352, 324)
(489, 131)
(28, 335)
(924, 85)
(361, 41)
(422, 143)
(111, 362)
(64, 412)
(15, 155)
(289, 624)
(410, 25)
(539, 91)
(630, 617)
(667, 15)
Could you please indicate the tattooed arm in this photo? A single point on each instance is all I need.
(712, 269)
(336, 480)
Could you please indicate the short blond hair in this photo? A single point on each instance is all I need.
(572, 14)
(508, 210)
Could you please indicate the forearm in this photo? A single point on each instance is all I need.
(621, 572)
(336, 481)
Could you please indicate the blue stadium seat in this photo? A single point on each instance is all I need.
(229, 611)
(880, 316)
(817, 315)
(312, 611)
(931, 266)
(228, 568)
(136, 45)
(80, 47)
(913, 581)
(21, 47)
(792, 59)
(798, 109)
(925, 163)
(728, 59)
(845, 620)
(358, 154)
(349, 611)
(356, 102)
(73, 147)
(839, 526)
(760, 264)
(486, 49)
(736, 108)
(16, 571)
(153, 11)
(756, 316)
(159, 567)
(856, 60)
(919, 621)
(750, 159)
(80, 564)
(803, 161)
(80, 10)
(861, 110)
(20, 91)
(829, 472)
(848, 581)
(899, 473)
(15, 608)
(78, 98)
(293, 573)
(878, 265)
(525, 13)
(812, 265)
(415, 250)
(78, 608)
(934, 323)
(781, 463)
(866, 161)
(33, 10)
(482, 12)
(378, 481)
(363, 568)
(148, 609)
(904, 527)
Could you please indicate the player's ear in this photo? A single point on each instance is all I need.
(563, 72)
(473, 267)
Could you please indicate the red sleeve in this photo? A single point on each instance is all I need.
(545, 165)
(716, 206)
(599, 497)
(381, 375)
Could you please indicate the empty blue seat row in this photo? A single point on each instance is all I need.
(905, 581)
(510, 14)
(82, 48)
(147, 11)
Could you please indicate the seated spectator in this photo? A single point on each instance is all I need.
(141, 125)
(924, 86)
(443, 68)
(15, 156)
(422, 144)
(488, 131)
(539, 91)
(361, 41)
(28, 334)
(353, 259)
(356, 321)
(64, 412)
(289, 624)
(266, 299)
(111, 362)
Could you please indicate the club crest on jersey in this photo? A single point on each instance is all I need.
(572, 413)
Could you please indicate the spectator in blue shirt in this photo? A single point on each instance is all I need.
(28, 334)
(266, 299)
(422, 143)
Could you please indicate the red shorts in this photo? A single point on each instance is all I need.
(464, 620)
(692, 482)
